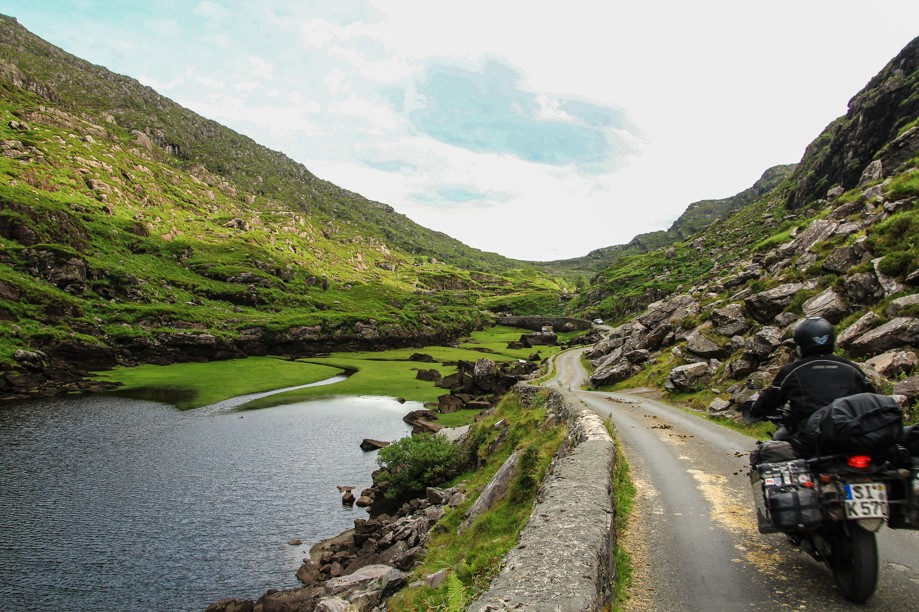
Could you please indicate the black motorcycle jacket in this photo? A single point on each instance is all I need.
(808, 384)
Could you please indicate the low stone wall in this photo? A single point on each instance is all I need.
(564, 560)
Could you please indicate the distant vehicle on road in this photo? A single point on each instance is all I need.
(598, 321)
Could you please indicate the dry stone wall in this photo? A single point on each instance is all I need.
(564, 560)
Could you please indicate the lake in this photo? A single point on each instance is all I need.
(126, 504)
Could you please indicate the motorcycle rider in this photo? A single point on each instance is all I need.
(817, 378)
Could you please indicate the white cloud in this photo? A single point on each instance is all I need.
(210, 10)
(709, 95)
(261, 68)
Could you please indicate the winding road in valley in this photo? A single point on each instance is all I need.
(692, 536)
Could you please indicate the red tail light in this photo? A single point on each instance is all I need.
(859, 461)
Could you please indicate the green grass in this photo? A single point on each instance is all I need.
(384, 373)
(391, 374)
(623, 500)
(200, 384)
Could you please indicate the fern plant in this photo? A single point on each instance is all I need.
(456, 594)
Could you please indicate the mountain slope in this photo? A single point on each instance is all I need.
(134, 230)
(192, 141)
(874, 128)
(706, 312)
(696, 217)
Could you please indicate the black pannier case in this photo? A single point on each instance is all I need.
(784, 496)
(904, 500)
(794, 506)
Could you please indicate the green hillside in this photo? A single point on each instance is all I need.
(133, 230)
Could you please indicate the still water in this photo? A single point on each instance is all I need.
(132, 505)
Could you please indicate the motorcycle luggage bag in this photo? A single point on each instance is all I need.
(772, 451)
(783, 496)
(904, 501)
(865, 422)
(794, 506)
(911, 440)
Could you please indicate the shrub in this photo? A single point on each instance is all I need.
(412, 464)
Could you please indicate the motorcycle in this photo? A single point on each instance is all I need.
(831, 504)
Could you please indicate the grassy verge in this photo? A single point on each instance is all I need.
(474, 558)
(623, 499)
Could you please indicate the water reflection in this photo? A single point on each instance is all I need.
(127, 504)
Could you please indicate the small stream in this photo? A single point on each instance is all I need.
(132, 505)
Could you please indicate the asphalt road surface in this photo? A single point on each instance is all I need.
(693, 537)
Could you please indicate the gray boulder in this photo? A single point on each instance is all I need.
(899, 332)
(908, 388)
(894, 363)
(765, 341)
(70, 273)
(741, 368)
(689, 377)
(828, 305)
(611, 359)
(494, 491)
(889, 284)
(655, 338)
(674, 309)
(863, 289)
(384, 579)
(613, 373)
(898, 306)
(700, 344)
(842, 259)
(729, 320)
(874, 171)
(863, 324)
(765, 305)
(485, 374)
(431, 375)
(637, 356)
(818, 231)
(33, 360)
(718, 407)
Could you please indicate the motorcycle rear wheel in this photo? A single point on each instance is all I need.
(854, 562)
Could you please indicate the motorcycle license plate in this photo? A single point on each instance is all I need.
(866, 500)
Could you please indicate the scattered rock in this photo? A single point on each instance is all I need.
(899, 332)
(369, 444)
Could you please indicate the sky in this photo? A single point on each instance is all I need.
(538, 130)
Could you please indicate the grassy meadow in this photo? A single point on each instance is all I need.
(385, 373)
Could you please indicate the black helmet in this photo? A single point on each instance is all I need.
(814, 335)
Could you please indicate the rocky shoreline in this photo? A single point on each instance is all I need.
(363, 565)
(359, 568)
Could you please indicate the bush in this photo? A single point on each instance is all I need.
(412, 464)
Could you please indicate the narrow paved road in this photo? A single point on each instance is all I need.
(693, 537)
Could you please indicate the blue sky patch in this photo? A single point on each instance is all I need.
(488, 112)
(451, 195)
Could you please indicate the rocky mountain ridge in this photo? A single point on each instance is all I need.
(697, 216)
(700, 316)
